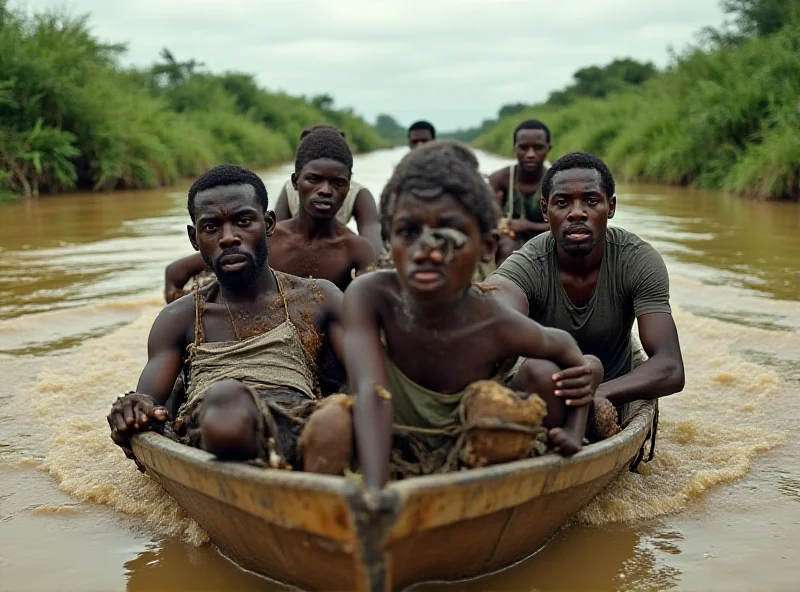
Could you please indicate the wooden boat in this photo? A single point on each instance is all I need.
(316, 532)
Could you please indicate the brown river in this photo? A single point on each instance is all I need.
(718, 509)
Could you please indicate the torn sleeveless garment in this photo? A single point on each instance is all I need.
(275, 368)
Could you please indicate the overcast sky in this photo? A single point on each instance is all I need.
(454, 62)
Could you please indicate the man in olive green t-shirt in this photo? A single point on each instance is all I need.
(593, 281)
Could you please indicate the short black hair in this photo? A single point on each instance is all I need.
(323, 142)
(532, 124)
(449, 167)
(422, 125)
(579, 160)
(223, 176)
(319, 126)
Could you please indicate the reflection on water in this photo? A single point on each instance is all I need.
(607, 559)
(80, 282)
(173, 566)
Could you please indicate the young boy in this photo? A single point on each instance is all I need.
(314, 243)
(424, 332)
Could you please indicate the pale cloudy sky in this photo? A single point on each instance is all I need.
(454, 62)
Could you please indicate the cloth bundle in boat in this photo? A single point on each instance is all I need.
(486, 423)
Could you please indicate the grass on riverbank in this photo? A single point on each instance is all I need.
(72, 117)
(723, 117)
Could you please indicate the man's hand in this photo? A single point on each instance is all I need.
(579, 383)
(132, 414)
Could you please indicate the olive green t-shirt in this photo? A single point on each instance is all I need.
(633, 281)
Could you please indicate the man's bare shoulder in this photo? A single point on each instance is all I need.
(357, 243)
(283, 229)
(301, 289)
(499, 178)
(176, 319)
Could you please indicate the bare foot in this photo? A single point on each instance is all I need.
(563, 442)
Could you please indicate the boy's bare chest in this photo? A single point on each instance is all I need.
(444, 361)
(327, 260)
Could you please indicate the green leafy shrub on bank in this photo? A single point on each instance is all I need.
(725, 115)
(72, 117)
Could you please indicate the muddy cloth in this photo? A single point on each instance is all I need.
(273, 365)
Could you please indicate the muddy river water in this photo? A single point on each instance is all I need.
(718, 508)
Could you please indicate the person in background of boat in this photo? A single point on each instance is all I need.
(593, 281)
(420, 133)
(314, 243)
(518, 187)
(418, 336)
(359, 203)
(253, 336)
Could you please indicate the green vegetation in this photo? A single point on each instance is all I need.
(390, 130)
(594, 81)
(725, 114)
(72, 117)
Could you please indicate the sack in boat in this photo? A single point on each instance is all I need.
(496, 412)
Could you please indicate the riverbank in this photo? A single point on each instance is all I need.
(725, 115)
(72, 118)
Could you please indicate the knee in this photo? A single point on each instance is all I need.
(327, 439)
(536, 376)
(226, 393)
(228, 421)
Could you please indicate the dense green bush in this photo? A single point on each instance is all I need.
(724, 115)
(71, 116)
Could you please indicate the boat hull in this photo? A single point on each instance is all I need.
(317, 533)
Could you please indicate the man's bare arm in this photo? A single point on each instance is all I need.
(363, 255)
(165, 349)
(498, 182)
(661, 375)
(136, 412)
(363, 354)
(282, 206)
(367, 219)
(508, 293)
(333, 301)
(178, 274)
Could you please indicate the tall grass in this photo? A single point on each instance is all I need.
(721, 117)
(72, 117)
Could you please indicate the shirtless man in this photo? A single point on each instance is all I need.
(314, 243)
(424, 333)
(358, 203)
(420, 133)
(518, 186)
(592, 281)
(260, 334)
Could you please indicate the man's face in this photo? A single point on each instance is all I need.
(436, 245)
(419, 137)
(323, 185)
(531, 148)
(231, 233)
(578, 210)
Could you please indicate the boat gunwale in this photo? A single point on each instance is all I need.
(314, 482)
